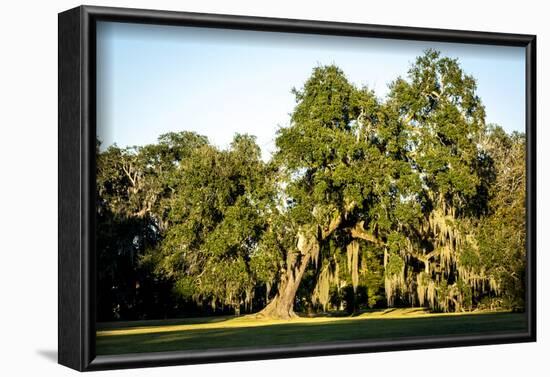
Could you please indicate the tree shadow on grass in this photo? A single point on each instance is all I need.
(160, 322)
(307, 333)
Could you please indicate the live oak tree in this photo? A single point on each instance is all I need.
(408, 175)
(133, 188)
(338, 168)
(500, 236)
(444, 120)
(215, 223)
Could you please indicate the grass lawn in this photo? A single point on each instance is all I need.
(247, 331)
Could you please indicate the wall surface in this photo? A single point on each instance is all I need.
(28, 189)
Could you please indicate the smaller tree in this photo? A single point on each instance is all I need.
(500, 237)
(216, 222)
(134, 186)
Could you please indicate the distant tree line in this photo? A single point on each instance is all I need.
(367, 203)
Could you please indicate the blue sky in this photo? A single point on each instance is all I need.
(155, 79)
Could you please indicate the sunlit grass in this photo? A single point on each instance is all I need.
(249, 331)
(147, 327)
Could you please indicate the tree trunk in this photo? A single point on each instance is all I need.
(308, 245)
(282, 306)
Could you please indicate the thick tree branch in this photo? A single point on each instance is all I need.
(358, 231)
(331, 227)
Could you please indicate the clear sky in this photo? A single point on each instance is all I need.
(155, 79)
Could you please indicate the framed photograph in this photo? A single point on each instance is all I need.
(238, 188)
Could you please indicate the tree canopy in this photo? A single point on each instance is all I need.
(408, 200)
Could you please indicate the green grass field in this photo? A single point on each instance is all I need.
(247, 331)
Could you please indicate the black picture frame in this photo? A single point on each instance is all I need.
(76, 183)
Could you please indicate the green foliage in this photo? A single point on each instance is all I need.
(501, 235)
(134, 186)
(266, 261)
(185, 287)
(411, 198)
(395, 265)
(216, 221)
(319, 154)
